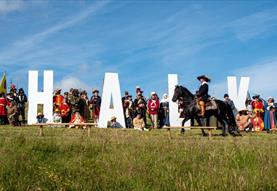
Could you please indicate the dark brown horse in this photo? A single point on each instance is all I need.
(223, 113)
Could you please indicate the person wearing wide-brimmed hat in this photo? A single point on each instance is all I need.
(113, 123)
(83, 105)
(95, 103)
(203, 92)
(257, 105)
(41, 118)
(258, 110)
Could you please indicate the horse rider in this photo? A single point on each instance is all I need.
(202, 94)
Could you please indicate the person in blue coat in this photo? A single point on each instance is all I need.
(269, 115)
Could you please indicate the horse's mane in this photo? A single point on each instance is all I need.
(186, 91)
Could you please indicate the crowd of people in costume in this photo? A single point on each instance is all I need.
(259, 115)
(12, 107)
(76, 107)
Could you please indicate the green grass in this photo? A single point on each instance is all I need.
(115, 159)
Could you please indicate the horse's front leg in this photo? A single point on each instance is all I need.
(200, 122)
(183, 124)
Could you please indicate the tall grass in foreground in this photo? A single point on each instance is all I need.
(112, 159)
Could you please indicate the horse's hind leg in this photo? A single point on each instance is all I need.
(199, 121)
(225, 128)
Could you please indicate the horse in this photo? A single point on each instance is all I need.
(223, 112)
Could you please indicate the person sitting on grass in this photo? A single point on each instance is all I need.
(243, 120)
(41, 118)
(139, 124)
(76, 119)
(258, 123)
(113, 123)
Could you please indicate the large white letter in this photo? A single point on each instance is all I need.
(174, 119)
(238, 95)
(111, 90)
(36, 97)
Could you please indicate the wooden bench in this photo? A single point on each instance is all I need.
(42, 125)
(210, 129)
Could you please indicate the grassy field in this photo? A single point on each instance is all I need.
(115, 159)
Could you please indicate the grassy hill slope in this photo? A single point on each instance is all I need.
(115, 159)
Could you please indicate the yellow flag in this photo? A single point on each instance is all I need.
(3, 84)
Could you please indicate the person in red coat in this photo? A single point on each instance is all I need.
(257, 104)
(65, 112)
(58, 99)
(3, 110)
(153, 108)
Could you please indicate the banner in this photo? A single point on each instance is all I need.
(3, 85)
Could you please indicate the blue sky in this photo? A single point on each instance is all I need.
(143, 41)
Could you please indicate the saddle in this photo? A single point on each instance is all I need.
(210, 104)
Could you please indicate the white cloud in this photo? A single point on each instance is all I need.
(255, 24)
(72, 82)
(262, 79)
(7, 6)
(28, 44)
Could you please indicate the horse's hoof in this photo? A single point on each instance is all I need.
(205, 134)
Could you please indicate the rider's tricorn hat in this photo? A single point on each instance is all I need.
(204, 77)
